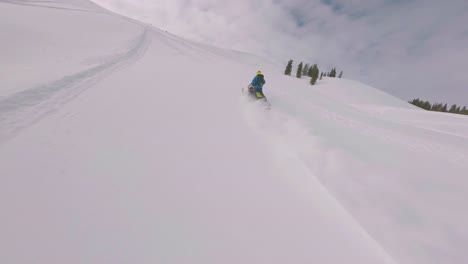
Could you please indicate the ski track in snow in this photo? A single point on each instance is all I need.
(287, 137)
(306, 160)
(411, 143)
(24, 108)
(291, 136)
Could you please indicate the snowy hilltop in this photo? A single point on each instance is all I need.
(121, 143)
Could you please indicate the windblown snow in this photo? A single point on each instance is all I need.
(121, 143)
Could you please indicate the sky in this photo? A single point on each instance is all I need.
(408, 48)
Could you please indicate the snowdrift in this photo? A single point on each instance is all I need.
(120, 143)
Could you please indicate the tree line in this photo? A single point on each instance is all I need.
(439, 107)
(310, 70)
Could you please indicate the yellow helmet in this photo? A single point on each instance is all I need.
(259, 72)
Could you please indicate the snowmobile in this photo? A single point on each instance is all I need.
(257, 96)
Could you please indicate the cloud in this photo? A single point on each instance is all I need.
(409, 48)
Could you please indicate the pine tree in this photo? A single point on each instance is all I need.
(309, 73)
(321, 75)
(444, 109)
(299, 70)
(426, 105)
(314, 75)
(464, 111)
(414, 102)
(453, 109)
(333, 72)
(305, 70)
(341, 74)
(438, 107)
(420, 103)
(417, 101)
(288, 68)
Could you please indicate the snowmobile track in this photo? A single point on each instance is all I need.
(24, 108)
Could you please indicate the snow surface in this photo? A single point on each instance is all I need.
(120, 143)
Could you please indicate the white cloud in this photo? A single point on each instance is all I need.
(415, 48)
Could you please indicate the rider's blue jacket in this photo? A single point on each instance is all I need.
(255, 83)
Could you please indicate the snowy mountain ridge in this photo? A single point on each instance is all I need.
(121, 143)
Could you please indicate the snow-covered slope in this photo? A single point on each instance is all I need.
(120, 143)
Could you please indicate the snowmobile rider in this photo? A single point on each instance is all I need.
(256, 86)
